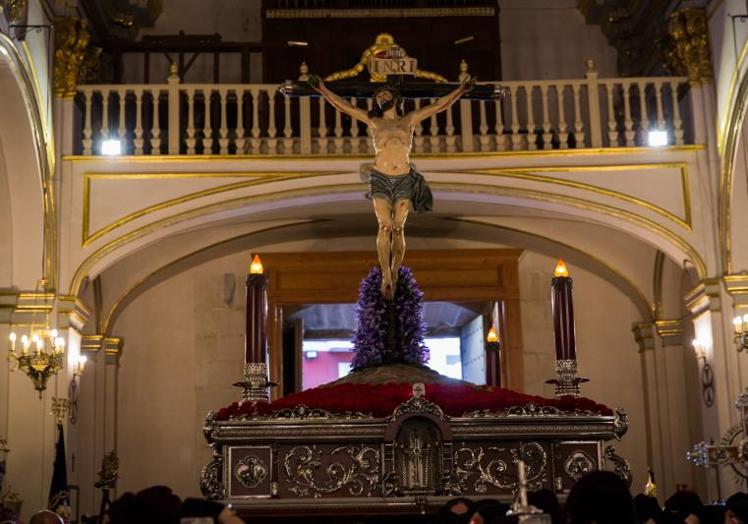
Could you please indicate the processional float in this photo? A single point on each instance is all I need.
(370, 443)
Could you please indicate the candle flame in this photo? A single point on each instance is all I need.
(561, 269)
(492, 336)
(256, 268)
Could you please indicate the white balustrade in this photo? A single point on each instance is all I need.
(237, 119)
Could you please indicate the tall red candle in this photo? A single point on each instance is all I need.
(255, 335)
(562, 306)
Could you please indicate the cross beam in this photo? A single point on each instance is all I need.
(408, 89)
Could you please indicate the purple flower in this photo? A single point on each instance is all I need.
(389, 332)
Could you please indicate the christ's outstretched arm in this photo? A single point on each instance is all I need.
(337, 101)
(441, 103)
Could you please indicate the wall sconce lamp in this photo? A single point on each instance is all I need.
(79, 366)
(707, 375)
(741, 332)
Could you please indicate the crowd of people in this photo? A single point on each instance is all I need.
(600, 497)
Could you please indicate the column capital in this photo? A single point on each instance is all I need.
(111, 347)
(644, 333)
(27, 307)
(670, 331)
(737, 285)
(705, 296)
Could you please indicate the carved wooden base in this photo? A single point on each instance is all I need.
(300, 459)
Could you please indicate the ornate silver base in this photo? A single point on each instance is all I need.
(256, 385)
(567, 382)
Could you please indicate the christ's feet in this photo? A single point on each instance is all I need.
(388, 289)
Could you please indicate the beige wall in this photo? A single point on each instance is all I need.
(184, 349)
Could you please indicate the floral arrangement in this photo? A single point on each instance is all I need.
(388, 332)
(380, 400)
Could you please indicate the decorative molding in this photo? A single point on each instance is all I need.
(705, 296)
(736, 284)
(258, 178)
(496, 190)
(604, 151)
(266, 177)
(530, 174)
(671, 331)
(71, 41)
(644, 335)
(44, 157)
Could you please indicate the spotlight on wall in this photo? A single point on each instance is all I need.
(657, 138)
(111, 147)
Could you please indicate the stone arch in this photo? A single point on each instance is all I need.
(459, 196)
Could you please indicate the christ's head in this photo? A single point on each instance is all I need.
(386, 98)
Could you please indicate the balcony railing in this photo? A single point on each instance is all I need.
(234, 119)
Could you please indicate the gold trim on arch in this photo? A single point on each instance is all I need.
(648, 224)
(155, 159)
(264, 177)
(722, 127)
(528, 174)
(36, 123)
(258, 178)
(727, 173)
(646, 302)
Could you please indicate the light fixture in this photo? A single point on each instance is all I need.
(707, 375)
(657, 138)
(79, 366)
(42, 350)
(111, 147)
(741, 332)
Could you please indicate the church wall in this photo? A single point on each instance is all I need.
(548, 39)
(184, 346)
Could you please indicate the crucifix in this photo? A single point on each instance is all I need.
(395, 187)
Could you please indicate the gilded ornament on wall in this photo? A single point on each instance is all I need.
(687, 48)
(71, 43)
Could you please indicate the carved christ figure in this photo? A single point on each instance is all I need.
(394, 184)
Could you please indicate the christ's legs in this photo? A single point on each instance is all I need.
(383, 210)
(400, 210)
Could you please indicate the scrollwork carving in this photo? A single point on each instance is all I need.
(417, 406)
(472, 462)
(304, 412)
(620, 423)
(211, 482)
(621, 467)
(530, 410)
(355, 469)
(209, 425)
